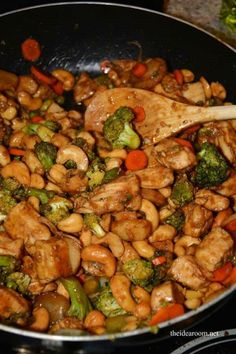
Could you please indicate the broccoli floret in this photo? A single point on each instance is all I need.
(95, 173)
(92, 221)
(80, 304)
(6, 203)
(18, 281)
(111, 174)
(212, 168)
(176, 220)
(9, 184)
(106, 303)
(41, 130)
(70, 164)
(8, 264)
(52, 125)
(46, 153)
(140, 272)
(118, 130)
(182, 192)
(104, 80)
(42, 194)
(56, 209)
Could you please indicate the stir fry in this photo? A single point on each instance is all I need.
(100, 231)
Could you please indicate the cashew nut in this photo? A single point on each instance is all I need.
(113, 241)
(71, 224)
(16, 139)
(149, 209)
(183, 243)
(113, 162)
(140, 294)
(75, 153)
(94, 318)
(4, 156)
(88, 137)
(206, 87)
(18, 170)
(98, 261)
(144, 249)
(29, 102)
(34, 201)
(37, 181)
(33, 162)
(117, 153)
(120, 287)
(57, 173)
(86, 237)
(188, 75)
(60, 140)
(10, 113)
(218, 90)
(163, 233)
(192, 304)
(65, 77)
(27, 84)
(41, 319)
(142, 310)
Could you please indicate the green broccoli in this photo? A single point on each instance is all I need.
(6, 203)
(95, 173)
(46, 153)
(106, 303)
(182, 192)
(41, 130)
(42, 194)
(212, 168)
(52, 125)
(9, 184)
(118, 130)
(56, 209)
(140, 272)
(70, 164)
(8, 264)
(176, 220)
(92, 221)
(18, 281)
(80, 304)
(104, 80)
(111, 174)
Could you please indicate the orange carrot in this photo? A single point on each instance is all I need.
(167, 313)
(184, 143)
(16, 152)
(223, 272)
(231, 279)
(46, 79)
(136, 160)
(231, 226)
(139, 69)
(159, 260)
(58, 88)
(31, 49)
(37, 119)
(140, 114)
(179, 77)
(192, 129)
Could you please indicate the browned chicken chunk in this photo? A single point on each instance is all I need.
(13, 304)
(186, 271)
(156, 177)
(123, 193)
(23, 222)
(166, 292)
(214, 249)
(198, 220)
(10, 247)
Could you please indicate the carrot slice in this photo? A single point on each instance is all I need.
(179, 77)
(46, 79)
(16, 152)
(223, 272)
(167, 313)
(140, 114)
(31, 49)
(192, 129)
(159, 260)
(139, 69)
(58, 88)
(231, 226)
(184, 143)
(136, 160)
(231, 279)
(37, 119)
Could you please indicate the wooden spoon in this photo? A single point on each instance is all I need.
(164, 117)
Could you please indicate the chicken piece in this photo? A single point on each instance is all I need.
(156, 70)
(129, 253)
(155, 178)
(186, 271)
(175, 156)
(154, 196)
(23, 222)
(166, 292)
(223, 135)
(10, 247)
(132, 229)
(212, 201)
(13, 305)
(214, 249)
(198, 220)
(228, 188)
(123, 193)
(84, 88)
(55, 258)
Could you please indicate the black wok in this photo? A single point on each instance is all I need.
(77, 36)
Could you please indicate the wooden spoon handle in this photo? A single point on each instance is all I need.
(222, 112)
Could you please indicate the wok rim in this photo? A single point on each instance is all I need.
(149, 329)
